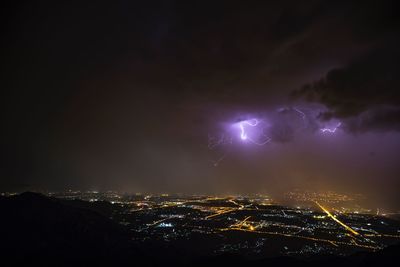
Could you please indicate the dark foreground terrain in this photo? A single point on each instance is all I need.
(37, 230)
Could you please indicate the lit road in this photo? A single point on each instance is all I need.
(348, 228)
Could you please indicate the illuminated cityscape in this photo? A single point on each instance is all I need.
(248, 224)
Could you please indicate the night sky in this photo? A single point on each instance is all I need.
(133, 96)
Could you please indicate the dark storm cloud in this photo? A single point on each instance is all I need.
(375, 119)
(367, 86)
(369, 81)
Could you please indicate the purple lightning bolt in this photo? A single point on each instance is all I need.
(253, 123)
(244, 136)
(331, 130)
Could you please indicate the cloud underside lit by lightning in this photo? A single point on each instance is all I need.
(257, 131)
